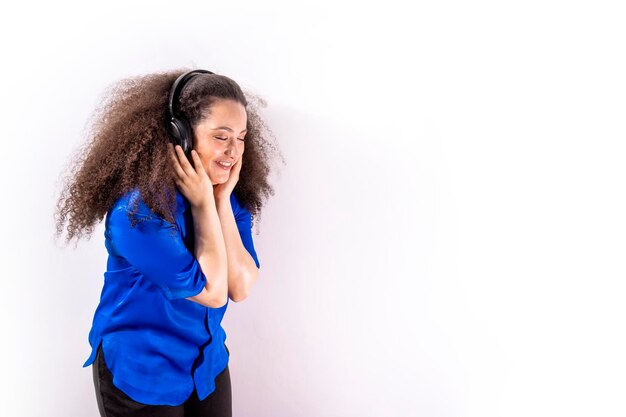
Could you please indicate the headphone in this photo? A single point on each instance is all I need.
(180, 128)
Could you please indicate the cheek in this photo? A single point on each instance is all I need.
(206, 154)
(206, 160)
(209, 163)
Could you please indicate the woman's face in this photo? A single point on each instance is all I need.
(218, 139)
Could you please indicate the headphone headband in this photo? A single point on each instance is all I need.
(177, 88)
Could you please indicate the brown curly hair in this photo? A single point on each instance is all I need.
(127, 147)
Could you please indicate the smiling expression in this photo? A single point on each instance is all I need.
(219, 139)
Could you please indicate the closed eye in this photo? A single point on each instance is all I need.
(225, 138)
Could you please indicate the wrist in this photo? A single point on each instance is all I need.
(222, 202)
(202, 205)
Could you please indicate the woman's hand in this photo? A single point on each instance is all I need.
(223, 191)
(192, 181)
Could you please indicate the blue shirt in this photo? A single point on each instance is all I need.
(158, 345)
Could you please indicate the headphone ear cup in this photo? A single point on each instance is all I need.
(183, 135)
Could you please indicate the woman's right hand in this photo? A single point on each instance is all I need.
(192, 181)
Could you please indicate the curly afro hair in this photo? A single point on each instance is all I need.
(127, 147)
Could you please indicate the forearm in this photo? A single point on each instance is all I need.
(242, 270)
(210, 251)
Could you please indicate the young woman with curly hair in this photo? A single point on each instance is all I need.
(178, 232)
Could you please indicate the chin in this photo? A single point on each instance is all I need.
(220, 181)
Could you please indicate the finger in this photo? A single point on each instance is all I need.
(177, 168)
(238, 165)
(197, 162)
(184, 162)
(180, 183)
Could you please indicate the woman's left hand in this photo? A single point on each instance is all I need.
(224, 190)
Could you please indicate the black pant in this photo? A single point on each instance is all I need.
(112, 402)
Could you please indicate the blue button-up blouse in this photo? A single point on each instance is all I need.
(158, 345)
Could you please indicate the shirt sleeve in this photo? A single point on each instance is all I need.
(155, 248)
(244, 225)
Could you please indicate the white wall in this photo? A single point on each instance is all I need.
(447, 238)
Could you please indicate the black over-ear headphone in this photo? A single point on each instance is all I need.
(180, 127)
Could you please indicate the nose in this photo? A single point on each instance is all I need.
(231, 149)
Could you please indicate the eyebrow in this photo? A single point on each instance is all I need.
(228, 128)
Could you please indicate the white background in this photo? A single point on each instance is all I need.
(446, 239)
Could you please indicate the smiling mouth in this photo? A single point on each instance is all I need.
(224, 167)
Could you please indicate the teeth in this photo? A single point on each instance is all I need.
(226, 164)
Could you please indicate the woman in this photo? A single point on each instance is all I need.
(178, 236)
